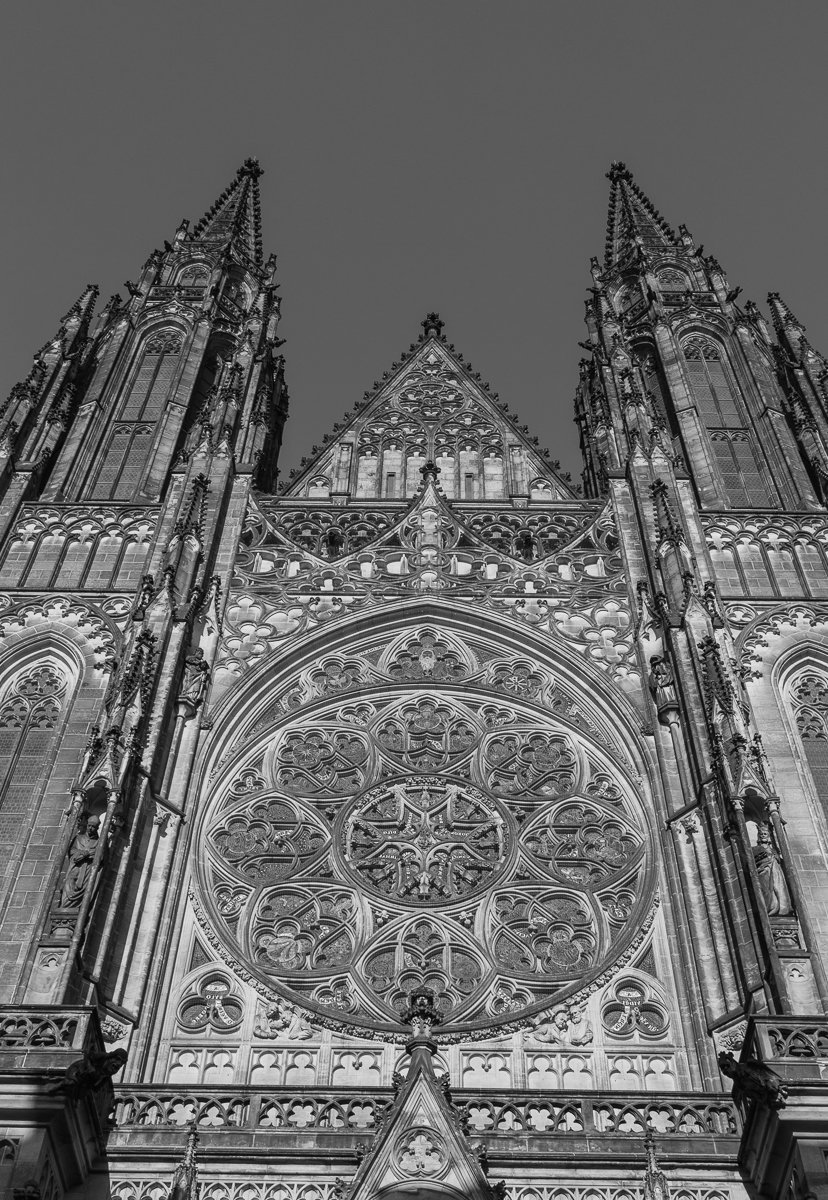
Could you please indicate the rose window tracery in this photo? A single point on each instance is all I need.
(495, 855)
(425, 837)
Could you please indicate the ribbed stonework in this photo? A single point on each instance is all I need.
(418, 824)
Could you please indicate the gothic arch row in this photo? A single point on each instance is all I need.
(56, 558)
(763, 563)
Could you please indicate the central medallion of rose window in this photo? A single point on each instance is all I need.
(425, 840)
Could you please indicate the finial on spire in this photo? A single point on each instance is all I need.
(422, 1015)
(429, 470)
(619, 170)
(250, 167)
(432, 325)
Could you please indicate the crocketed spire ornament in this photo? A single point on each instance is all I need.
(185, 1185)
(432, 325)
(655, 1181)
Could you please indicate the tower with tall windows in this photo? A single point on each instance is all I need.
(416, 823)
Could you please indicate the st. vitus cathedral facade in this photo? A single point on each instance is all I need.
(420, 824)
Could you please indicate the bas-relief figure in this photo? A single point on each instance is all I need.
(407, 735)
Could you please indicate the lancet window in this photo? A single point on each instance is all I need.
(809, 699)
(30, 711)
(716, 396)
(130, 441)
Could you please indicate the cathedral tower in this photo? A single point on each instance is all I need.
(417, 822)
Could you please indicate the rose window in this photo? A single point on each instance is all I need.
(356, 852)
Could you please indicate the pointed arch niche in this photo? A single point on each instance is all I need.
(807, 696)
(36, 692)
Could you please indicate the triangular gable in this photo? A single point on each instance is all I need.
(430, 407)
(421, 1147)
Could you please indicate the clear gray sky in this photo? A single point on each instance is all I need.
(418, 155)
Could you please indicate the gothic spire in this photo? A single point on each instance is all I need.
(83, 307)
(236, 217)
(782, 316)
(632, 219)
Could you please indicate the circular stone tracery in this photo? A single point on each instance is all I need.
(340, 871)
(425, 838)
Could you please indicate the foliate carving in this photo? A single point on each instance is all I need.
(113, 1031)
(425, 837)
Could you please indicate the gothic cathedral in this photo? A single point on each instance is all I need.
(420, 826)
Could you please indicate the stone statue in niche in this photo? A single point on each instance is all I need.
(662, 684)
(82, 850)
(283, 1019)
(567, 1027)
(771, 874)
(194, 683)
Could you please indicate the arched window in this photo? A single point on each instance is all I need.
(672, 280)
(195, 275)
(125, 457)
(716, 396)
(30, 710)
(809, 699)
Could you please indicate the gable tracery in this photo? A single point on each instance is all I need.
(539, 567)
(429, 413)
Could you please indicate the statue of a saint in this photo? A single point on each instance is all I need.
(81, 853)
(771, 875)
(194, 683)
(662, 683)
